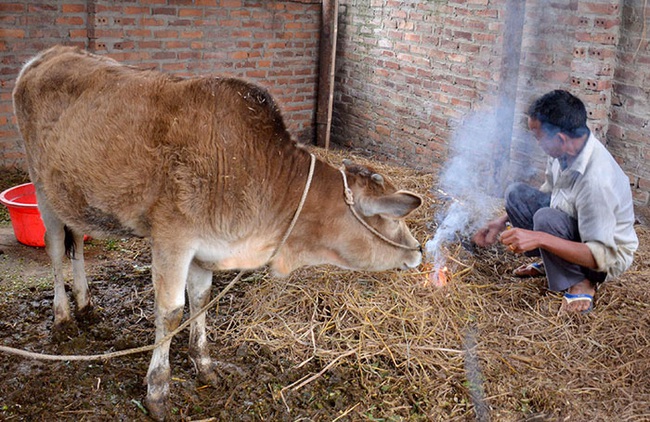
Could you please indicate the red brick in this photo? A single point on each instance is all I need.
(175, 45)
(606, 23)
(382, 130)
(151, 22)
(597, 38)
(190, 55)
(12, 33)
(135, 10)
(139, 33)
(256, 74)
(169, 67)
(149, 44)
(239, 55)
(412, 37)
(165, 34)
(12, 8)
(183, 13)
(42, 7)
(168, 11)
(597, 8)
(78, 33)
(73, 8)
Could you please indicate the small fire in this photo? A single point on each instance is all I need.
(437, 277)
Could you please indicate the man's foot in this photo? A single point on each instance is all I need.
(579, 298)
(536, 269)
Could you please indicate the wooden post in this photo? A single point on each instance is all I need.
(328, 36)
(513, 33)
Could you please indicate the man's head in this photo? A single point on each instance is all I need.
(555, 118)
(559, 111)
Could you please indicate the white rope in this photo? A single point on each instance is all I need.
(110, 355)
(305, 191)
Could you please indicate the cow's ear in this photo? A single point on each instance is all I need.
(396, 205)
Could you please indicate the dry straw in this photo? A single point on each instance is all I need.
(410, 342)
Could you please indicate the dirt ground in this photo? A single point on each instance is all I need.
(524, 377)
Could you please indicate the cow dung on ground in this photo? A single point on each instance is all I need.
(326, 344)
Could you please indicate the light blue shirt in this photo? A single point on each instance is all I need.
(595, 191)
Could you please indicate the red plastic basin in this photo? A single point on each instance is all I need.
(23, 211)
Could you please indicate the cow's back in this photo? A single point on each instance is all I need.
(111, 144)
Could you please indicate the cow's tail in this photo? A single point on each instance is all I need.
(68, 241)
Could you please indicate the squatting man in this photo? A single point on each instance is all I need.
(581, 220)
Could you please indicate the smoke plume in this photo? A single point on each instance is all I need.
(468, 182)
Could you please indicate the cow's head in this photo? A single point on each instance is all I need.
(382, 207)
(366, 233)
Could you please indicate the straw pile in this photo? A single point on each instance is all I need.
(486, 346)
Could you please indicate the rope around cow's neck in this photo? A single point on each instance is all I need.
(305, 191)
(110, 355)
(349, 199)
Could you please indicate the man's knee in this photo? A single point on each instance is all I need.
(544, 219)
(553, 221)
(515, 193)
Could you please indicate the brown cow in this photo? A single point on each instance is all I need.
(205, 168)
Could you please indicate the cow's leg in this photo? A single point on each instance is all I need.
(80, 286)
(210, 371)
(55, 248)
(199, 282)
(169, 268)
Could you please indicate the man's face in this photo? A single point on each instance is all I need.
(553, 145)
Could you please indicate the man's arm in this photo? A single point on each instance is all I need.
(521, 240)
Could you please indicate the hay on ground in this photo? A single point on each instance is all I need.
(485, 344)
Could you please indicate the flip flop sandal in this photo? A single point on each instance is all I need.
(536, 269)
(569, 297)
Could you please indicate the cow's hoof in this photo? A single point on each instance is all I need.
(64, 330)
(157, 408)
(88, 316)
(221, 374)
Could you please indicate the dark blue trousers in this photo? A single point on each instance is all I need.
(529, 208)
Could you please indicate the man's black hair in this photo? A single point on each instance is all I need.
(560, 111)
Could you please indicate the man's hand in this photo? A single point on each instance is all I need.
(520, 240)
(489, 234)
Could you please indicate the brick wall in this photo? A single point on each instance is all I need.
(271, 42)
(25, 27)
(408, 71)
(628, 135)
(411, 73)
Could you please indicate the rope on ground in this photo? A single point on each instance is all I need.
(110, 355)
